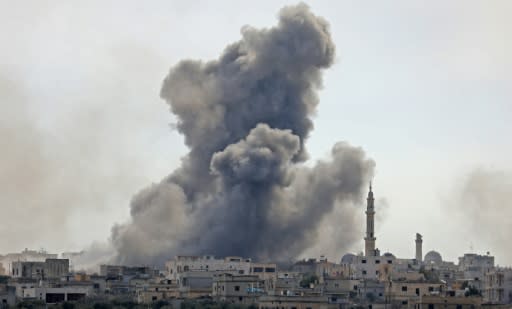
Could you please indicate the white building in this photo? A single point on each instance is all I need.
(498, 286)
(207, 263)
(475, 266)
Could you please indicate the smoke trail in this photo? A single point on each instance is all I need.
(241, 189)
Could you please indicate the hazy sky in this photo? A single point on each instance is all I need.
(423, 86)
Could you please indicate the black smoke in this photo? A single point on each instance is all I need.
(242, 189)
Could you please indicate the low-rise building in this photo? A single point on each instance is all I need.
(155, 291)
(406, 293)
(295, 302)
(241, 289)
(53, 295)
(448, 302)
(49, 269)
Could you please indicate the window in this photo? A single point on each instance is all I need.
(363, 261)
(270, 270)
(355, 287)
(459, 306)
(417, 291)
(430, 306)
(237, 288)
(257, 269)
(241, 271)
(376, 272)
(404, 302)
(377, 261)
(404, 288)
(390, 262)
(364, 272)
(430, 288)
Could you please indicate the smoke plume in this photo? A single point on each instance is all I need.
(242, 188)
(482, 206)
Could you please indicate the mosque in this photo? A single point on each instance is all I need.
(374, 265)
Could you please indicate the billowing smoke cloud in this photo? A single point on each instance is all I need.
(483, 209)
(66, 156)
(242, 188)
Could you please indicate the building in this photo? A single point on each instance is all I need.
(207, 263)
(24, 256)
(194, 274)
(406, 293)
(240, 289)
(155, 291)
(497, 287)
(287, 281)
(52, 295)
(448, 302)
(49, 269)
(295, 302)
(474, 266)
(116, 271)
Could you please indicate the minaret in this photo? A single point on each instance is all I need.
(369, 240)
(419, 243)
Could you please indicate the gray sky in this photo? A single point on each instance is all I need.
(422, 86)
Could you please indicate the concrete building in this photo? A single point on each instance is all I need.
(116, 271)
(287, 281)
(155, 291)
(295, 302)
(473, 268)
(406, 293)
(448, 302)
(371, 291)
(240, 289)
(49, 269)
(322, 268)
(497, 288)
(24, 256)
(52, 295)
(340, 288)
(181, 264)
(194, 274)
(369, 267)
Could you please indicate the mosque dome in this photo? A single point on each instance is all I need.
(348, 258)
(433, 257)
(389, 255)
